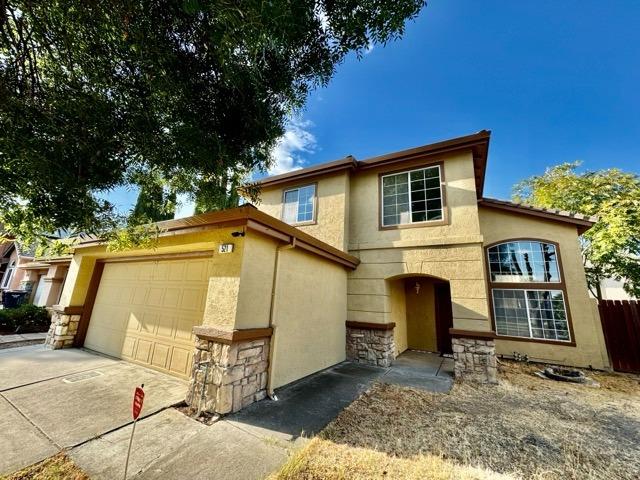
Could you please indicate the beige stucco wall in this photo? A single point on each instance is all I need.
(499, 225)
(370, 294)
(309, 316)
(332, 207)
(256, 280)
(451, 252)
(397, 313)
(462, 211)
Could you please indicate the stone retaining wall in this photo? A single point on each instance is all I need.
(475, 359)
(228, 377)
(63, 330)
(370, 346)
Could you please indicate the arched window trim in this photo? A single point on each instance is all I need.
(537, 240)
(537, 286)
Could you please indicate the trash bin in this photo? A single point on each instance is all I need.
(13, 298)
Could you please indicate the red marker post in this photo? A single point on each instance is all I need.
(138, 401)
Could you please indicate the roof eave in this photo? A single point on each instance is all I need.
(582, 224)
(478, 143)
(251, 218)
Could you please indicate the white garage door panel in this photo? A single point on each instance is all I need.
(145, 311)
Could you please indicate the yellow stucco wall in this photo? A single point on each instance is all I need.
(332, 205)
(421, 316)
(397, 313)
(499, 225)
(309, 316)
(451, 252)
(462, 211)
(256, 280)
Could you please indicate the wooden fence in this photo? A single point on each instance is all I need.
(621, 326)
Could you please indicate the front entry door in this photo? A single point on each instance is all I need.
(444, 316)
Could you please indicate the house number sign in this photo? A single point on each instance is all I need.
(225, 248)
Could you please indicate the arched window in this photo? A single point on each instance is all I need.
(524, 303)
(524, 261)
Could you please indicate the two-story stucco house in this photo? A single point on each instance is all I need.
(351, 259)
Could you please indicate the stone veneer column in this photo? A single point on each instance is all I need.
(371, 343)
(228, 372)
(63, 328)
(475, 359)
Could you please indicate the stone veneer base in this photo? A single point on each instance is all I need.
(475, 359)
(370, 346)
(62, 330)
(227, 377)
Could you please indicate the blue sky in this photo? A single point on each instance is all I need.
(554, 81)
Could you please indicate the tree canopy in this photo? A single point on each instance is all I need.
(611, 248)
(96, 95)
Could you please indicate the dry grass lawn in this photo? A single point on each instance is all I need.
(524, 428)
(59, 467)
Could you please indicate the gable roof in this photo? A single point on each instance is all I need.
(582, 222)
(478, 143)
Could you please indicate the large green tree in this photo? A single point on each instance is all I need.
(611, 248)
(95, 94)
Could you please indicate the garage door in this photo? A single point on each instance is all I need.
(144, 312)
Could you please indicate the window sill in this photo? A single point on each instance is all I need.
(571, 343)
(303, 224)
(429, 223)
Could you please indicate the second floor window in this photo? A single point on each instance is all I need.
(299, 205)
(412, 197)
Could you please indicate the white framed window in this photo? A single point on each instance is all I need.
(524, 261)
(538, 314)
(414, 196)
(299, 205)
(8, 275)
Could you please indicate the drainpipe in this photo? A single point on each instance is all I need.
(272, 325)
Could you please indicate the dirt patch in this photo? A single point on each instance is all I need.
(526, 427)
(59, 467)
(204, 417)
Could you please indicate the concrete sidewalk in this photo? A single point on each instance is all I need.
(256, 441)
(243, 446)
(421, 370)
(22, 339)
(81, 401)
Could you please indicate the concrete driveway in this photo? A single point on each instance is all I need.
(50, 400)
(248, 445)
(81, 401)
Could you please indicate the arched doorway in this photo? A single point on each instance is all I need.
(421, 309)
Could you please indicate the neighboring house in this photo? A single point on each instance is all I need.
(13, 256)
(42, 279)
(613, 289)
(349, 259)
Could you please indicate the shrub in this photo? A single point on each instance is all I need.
(24, 319)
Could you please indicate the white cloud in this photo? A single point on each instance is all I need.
(287, 153)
